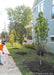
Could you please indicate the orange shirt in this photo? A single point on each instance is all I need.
(1, 47)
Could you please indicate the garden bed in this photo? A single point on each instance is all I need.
(15, 48)
(35, 67)
(30, 46)
(21, 53)
(50, 53)
(29, 64)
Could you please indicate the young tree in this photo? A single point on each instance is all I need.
(11, 38)
(21, 33)
(15, 36)
(41, 31)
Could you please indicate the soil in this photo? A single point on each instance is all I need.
(30, 48)
(35, 67)
(21, 53)
(15, 48)
(49, 53)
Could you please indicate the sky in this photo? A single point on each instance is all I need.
(10, 3)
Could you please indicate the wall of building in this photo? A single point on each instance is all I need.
(47, 7)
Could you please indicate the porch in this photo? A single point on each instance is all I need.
(29, 33)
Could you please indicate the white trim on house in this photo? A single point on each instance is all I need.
(51, 19)
(29, 41)
(50, 38)
(39, 3)
(40, 7)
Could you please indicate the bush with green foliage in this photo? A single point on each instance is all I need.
(15, 36)
(11, 38)
(21, 33)
(29, 46)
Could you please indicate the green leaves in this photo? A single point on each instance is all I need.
(15, 36)
(21, 33)
(11, 38)
(21, 14)
(41, 29)
(19, 17)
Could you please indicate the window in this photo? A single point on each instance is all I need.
(52, 1)
(52, 9)
(40, 7)
(53, 12)
(52, 38)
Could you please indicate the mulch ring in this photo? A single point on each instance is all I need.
(49, 53)
(15, 48)
(35, 67)
(21, 53)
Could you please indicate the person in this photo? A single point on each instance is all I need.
(1, 51)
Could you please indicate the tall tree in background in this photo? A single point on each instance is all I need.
(5, 35)
(21, 33)
(25, 14)
(19, 17)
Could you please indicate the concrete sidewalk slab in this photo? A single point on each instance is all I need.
(9, 67)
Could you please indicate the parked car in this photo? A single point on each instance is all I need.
(2, 42)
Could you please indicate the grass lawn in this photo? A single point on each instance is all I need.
(30, 56)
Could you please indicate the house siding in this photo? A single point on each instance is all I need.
(47, 14)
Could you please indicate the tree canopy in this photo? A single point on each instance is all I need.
(20, 15)
(41, 33)
(4, 35)
(19, 18)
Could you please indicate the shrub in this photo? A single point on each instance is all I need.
(25, 41)
(11, 38)
(29, 46)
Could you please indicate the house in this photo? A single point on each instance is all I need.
(47, 7)
(29, 32)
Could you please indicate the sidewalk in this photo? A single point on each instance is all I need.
(8, 67)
